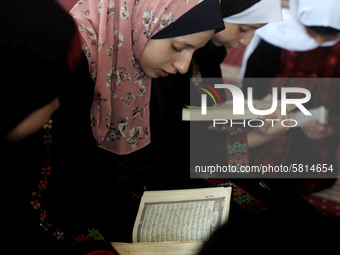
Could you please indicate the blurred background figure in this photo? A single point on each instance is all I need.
(304, 45)
(40, 51)
(42, 55)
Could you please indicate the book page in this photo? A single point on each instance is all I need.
(319, 113)
(164, 248)
(181, 215)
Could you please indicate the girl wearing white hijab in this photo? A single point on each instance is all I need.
(306, 44)
(306, 25)
(240, 27)
(285, 212)
(241, 19)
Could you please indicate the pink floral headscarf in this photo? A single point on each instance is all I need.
(114, 34)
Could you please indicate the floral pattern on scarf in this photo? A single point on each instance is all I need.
(114, 34)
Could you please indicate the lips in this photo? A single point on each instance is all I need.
(163, 73)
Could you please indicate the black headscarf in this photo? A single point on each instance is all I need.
(42, 61)
(231, 7)
(40, 52)
(34, 44)
(324, 30)
(204, 16)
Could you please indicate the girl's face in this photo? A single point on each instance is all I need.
(163, 56)
(321, 38)
(235, 35)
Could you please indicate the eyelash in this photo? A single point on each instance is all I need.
(175, 49)
(243, 30)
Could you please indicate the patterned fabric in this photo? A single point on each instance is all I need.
(294, 146)
(114, 34)
(246, 201)
(205, 62)
(38, 198)
(307, 64)
(237, 147)
(238, 155)
(327, 201)
(91, 237)
(240, 196)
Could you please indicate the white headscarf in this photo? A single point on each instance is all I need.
(260, 13)
(323, 12)
(290, 34)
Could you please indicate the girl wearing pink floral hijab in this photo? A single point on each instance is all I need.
(126, 44)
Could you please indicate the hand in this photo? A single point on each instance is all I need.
(313, 129)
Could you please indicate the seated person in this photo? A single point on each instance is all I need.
(304, 45)
(42, 54)
(241, 19)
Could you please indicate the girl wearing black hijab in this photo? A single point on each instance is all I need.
(41, 55)
(164, 37)
(54, 74)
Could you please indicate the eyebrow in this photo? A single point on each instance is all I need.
(186, 44)
(253, 26)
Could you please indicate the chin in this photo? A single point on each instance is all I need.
(152, 74)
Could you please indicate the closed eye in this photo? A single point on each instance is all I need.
(243, 30)
(174, 48)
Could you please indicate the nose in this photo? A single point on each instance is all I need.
(182, 63)
(246, 38)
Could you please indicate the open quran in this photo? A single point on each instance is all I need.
(177, 221)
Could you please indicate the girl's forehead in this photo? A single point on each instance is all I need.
(195, 40)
